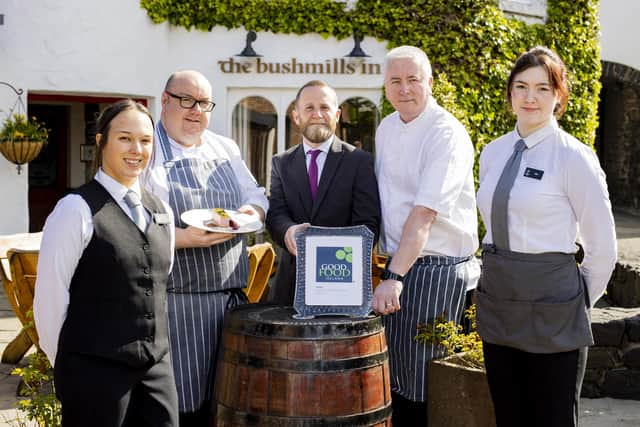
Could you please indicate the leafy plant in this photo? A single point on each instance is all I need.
(40, 404)
(20, 128)
(450, 337)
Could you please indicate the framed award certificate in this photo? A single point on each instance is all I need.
(333, 271)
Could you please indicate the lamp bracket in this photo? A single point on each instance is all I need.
(248, 49)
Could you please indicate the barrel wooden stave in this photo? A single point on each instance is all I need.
(283, 380)
(249, 390)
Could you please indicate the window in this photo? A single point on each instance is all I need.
(255, 130)
(292, 133)
(528, 11)
(358, 123)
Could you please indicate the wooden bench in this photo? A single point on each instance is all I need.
(18, 264)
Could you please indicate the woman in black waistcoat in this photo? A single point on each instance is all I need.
(100, 302)
(541, 191)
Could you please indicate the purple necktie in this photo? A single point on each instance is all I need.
(313, 173)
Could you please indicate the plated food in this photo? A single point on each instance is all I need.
(218, 220)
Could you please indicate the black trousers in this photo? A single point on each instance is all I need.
(200, 418)
(102, 393)
(532, 389)
(407, 413)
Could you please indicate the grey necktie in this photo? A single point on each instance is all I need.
(133, 201)
(500, 202)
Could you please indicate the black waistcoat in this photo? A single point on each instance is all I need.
(117, 307)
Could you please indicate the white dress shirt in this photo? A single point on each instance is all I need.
(66, 234)
(213, 147)
(569, 202)
(322, 156)
(427, 162)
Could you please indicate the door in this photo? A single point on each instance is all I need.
(48, 172)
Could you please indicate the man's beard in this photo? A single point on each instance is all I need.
(317, 133)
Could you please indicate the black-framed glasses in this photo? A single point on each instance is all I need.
(188, 102)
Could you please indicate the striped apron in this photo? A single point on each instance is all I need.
(434, 286)
(204, 282)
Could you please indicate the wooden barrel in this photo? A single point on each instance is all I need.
(274, 370)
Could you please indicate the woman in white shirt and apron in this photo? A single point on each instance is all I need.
(541, 191)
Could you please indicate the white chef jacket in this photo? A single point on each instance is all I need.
(213, 147)
(427, 162)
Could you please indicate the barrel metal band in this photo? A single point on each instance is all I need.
(305, 366)
(231, 416)
(303, 331)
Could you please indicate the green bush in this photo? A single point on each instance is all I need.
(39, 403)
(452, 339)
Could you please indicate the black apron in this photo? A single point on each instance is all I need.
(533, 302)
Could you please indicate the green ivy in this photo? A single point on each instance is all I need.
(471, 43)
(470, 40)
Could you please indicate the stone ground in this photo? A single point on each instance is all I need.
(9, 327)
(604, 412)
(628, 232)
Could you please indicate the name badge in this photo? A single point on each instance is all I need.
(161, 218)
(533, 173)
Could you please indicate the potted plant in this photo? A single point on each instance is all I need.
(458, 389)
(22, 139)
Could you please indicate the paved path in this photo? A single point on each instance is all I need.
(628, 233)
(9, 327)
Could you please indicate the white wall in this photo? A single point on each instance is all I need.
(112, 48)
(620, 32)
(13, 187)
(14, 216)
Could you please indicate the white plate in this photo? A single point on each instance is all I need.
(198, 217)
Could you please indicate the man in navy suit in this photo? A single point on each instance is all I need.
(322, 182)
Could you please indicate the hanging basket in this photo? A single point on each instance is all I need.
(21, 152)
(21, 137)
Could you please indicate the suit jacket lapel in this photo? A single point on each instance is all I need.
(334, 156)
(298, 168)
